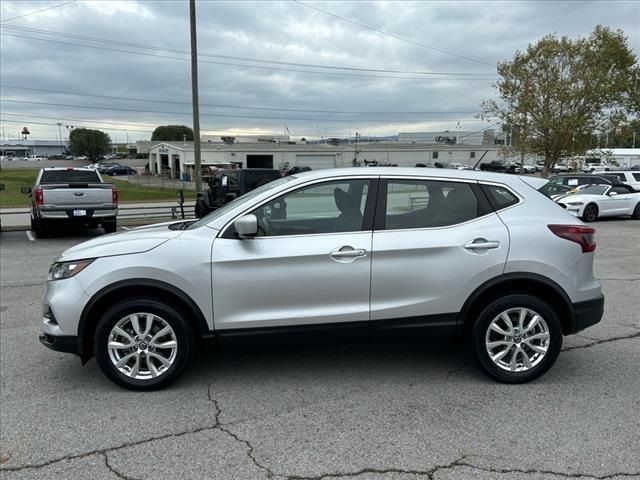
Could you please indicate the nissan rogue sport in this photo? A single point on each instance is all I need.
(341, 254)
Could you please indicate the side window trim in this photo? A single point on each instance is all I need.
(485, 186)
(228, 232)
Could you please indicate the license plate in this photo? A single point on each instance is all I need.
(79, 213)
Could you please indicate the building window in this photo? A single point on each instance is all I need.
(434, 155)
(472, 155)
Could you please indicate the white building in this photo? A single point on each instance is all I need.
(176, 159)
(483, 137)
(27, 148)
(625, 157)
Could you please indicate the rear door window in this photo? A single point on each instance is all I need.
(428, 203)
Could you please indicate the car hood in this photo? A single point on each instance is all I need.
(138, 240)
(576, 197)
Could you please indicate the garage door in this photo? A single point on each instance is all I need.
(316, 162)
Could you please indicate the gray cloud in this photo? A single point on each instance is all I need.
(283, 31)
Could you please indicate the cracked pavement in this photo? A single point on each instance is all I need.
(364, 412)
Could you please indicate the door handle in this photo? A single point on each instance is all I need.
(481, 244)
(348, 252)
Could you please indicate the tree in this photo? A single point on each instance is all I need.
(560, 91)
(92, 143)
(172, 133)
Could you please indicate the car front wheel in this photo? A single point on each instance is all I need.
(143, 344)
(590, 213)
(517, 338)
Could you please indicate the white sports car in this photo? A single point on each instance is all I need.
(594, 201)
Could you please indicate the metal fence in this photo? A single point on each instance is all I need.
(187, 211)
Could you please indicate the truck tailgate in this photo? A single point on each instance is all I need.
(81, 195)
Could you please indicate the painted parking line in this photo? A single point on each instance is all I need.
(30, 236)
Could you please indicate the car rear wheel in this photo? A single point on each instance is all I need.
(636, 212)
(590, 213)
(38, 228)
(143, 344)
(517, 338)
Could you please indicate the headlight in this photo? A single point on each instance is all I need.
(59, 271)
(575, 204)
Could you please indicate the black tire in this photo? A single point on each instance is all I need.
(184, 337)
(636, 212)
(201, 208)
(590, 213)
(38, 228)
(491, 312)
(110, 227)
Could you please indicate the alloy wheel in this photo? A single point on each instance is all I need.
(142, 346)
(517, 339)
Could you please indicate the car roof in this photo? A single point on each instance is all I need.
(87, 169)
(443, 173)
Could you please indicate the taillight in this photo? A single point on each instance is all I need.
(39, 196)
(584, 236)
(114, 195)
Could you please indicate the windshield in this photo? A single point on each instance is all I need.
(247, 197)
(594, 190)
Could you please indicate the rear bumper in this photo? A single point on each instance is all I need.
(587, 313)
(67, 214)
(67, 344)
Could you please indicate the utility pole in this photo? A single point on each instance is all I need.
(60, 135)
(194, 95)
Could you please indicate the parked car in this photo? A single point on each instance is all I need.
(596, 201)
(528, 168)
(499, 166)
(104, 166)
(574, 179)
(458, 166)
(120, 170)
(228, 184)
(539, 166)
(71, 196)
(626, 176)
(559, 168)
(343, 254)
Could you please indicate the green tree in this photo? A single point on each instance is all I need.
(172, 133)
(560, 91)
(92, 143)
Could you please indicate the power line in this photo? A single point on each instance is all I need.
(255, 117)
(76, 126)
(212, 131)
(233, 57)
(151, 100)
(393, 35)
(38, 11)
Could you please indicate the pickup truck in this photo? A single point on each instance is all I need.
(72, 196)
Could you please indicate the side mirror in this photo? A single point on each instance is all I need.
(25, 190)
(613, 194)
(247, 226)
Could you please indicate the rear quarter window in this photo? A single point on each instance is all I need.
(499, 197)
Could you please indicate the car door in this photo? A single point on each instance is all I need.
(614, 201)
(624, 201)
(309, 266)
(434, 242)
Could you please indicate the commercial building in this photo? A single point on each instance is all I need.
(27, 148)
(176, 159)
(624, 157)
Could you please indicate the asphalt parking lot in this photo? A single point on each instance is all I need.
(379, 412)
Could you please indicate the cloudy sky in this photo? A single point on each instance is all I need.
(123, 66)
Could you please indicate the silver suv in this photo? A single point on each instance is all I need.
(349, 254)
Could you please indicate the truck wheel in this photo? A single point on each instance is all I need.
(201, 208)
(517, 338)
(110, 227)
(37, 228)
(143, 344)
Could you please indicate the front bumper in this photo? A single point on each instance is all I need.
(67, 344)
(588, 313)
